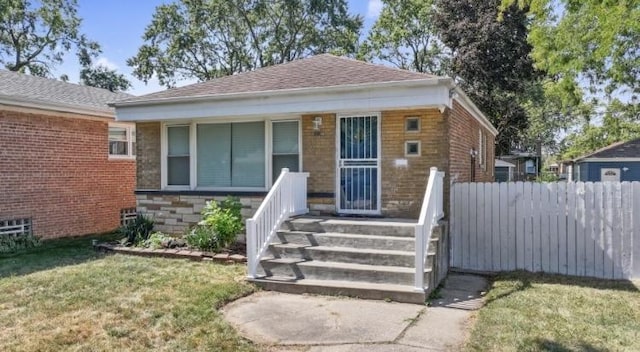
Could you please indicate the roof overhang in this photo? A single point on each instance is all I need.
(21, 102)
(412, 94)
(606, 160)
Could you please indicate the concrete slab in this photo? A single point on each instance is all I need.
(368, 348)
(464, 282)
(284, 319)
(439, 329)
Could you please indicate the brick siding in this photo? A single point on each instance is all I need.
(148, 146)
(464, 134)
(55, 170)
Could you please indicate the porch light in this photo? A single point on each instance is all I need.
(473, 153)
(317, 122)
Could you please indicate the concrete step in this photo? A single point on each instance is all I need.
(317, 270)
(386, 227)
(398, 293)
(367, 256)
(330, 239)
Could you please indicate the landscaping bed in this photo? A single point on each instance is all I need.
(234, 255)
(534, 312)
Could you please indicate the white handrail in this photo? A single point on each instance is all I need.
(430, 213)
(287, 197)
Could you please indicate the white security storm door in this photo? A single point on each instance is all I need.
(358, 169)
(609, 175)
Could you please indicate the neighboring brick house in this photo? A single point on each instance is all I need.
(66, 167)
(367, 135)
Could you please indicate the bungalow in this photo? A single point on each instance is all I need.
(66, 167)
(366, 134)
(617, 162)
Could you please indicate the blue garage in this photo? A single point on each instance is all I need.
(617, 162)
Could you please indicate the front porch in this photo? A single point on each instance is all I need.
(397, 259)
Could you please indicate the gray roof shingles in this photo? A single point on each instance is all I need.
(45, 90)
(318, 71)
(628, 149)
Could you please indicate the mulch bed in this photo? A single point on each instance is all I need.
(234, 255)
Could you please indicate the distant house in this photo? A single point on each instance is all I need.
(504, 171)
(526, 165)
(366, 134)
(66, 167)
(617, 162)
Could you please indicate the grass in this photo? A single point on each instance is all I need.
(533, 312)
(63, 296)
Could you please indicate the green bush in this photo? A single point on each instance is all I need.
(219, 225)
(137, 230)
(155, 240)
(15, 243)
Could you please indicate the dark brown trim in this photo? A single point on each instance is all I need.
(202, 193)
(321, 195)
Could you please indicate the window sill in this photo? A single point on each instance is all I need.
(122, 157)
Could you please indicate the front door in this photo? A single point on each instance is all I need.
(358, 176)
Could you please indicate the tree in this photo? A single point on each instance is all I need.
(490, 59)
(204, 39)
(33, 39)
(100, 76)
(404, 36)
(594, 42)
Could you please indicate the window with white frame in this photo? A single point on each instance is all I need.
(285, 149)
(122, 141)
(482, 149)
(178, 158)
(233, 155)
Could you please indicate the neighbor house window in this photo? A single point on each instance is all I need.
(122, 141)
(412, 124)
(178, 156)
(412, 148)
(231, 155)
(285, 147)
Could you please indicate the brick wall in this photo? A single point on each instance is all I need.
(403, 187)
(464, 135)
(319, 160)
(55, 170)
(148, 152)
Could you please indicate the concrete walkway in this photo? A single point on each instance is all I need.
(283, 322)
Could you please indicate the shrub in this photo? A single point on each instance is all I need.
(219, 225)
(138, 230)
(14, 243)
(155, 240)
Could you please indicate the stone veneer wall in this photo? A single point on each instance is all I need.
(174, 214)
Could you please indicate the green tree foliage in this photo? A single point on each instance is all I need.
(490, 59)
(204, 39)
(100, 76)
(35, 36)
(619, 123)
(404, 36)
(589, 41)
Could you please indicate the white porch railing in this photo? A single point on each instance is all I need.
(430, 213)
(287, 197)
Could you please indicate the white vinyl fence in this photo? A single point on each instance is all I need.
(583, 229)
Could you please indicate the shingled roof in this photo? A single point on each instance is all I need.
(628, 149)
(23, 88)
(318, 71)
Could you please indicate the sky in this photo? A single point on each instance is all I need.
(119, 28)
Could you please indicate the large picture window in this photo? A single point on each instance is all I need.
(231, 155)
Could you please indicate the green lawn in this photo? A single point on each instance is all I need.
(528, 312)
(63, 296)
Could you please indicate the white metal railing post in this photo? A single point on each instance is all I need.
(252, 249)
(430, 212)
